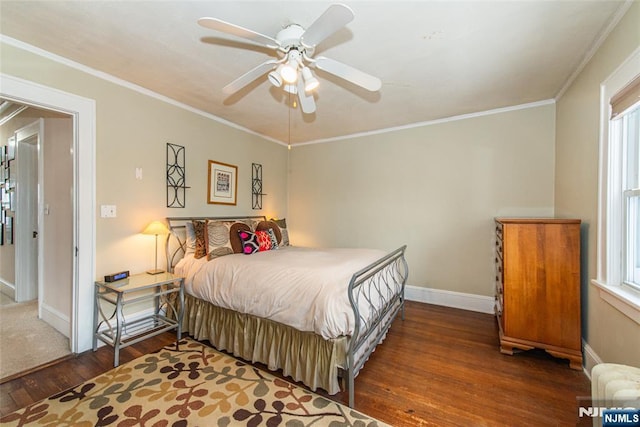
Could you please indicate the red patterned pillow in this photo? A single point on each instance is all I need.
(258, 241)
(271, 225)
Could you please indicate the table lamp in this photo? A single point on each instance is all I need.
(156, 228)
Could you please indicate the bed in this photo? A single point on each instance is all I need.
(315, 314)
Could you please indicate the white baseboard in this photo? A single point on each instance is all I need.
(472, 302)
(590, 358)
(58, 320)
(8, 289)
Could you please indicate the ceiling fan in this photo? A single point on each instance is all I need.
(294, 46)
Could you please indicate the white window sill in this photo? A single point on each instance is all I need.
(624, 299)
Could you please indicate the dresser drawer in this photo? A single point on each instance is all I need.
(499, 260)
(499, 244)
(499, 230)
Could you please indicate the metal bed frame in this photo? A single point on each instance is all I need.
(376, 295)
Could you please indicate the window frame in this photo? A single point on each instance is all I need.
(611, 227)
(630, 196)
(632, 268)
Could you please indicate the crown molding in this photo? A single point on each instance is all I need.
(432, 122)
(120, 82)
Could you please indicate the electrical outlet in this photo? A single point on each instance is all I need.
(107, 211)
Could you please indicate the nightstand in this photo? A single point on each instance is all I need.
(165, 289)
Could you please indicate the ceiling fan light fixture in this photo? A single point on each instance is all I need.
(295, 47)
(289, 88)
(310, 82)
(275, 76)
(289, 72)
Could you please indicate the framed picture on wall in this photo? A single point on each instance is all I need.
(9, 177)
(8, 229)
(11, 148)
(223, 183)
(5, 199)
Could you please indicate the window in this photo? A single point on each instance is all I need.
(619, 196)
(625, 132)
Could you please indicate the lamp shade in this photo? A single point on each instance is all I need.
(310, 82)
(275, 78)
(156, 228)
(289, 72)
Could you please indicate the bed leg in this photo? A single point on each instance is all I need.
(351, 389)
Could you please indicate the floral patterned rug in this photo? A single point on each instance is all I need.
(193, 386)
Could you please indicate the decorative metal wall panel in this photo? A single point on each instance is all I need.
(256, 186)
(176, 181)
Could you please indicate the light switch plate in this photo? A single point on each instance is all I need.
(107, 211)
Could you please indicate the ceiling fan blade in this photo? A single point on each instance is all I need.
(349, 73)
(307, 103)
(226, 27)
(334, 18)
(248, 77)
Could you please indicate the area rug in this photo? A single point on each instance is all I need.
(192, 386)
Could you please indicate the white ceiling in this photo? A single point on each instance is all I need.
(436, 59)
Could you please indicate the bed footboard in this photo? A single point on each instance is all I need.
(376, 294)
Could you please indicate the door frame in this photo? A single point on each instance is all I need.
(83, 112)
(23, 229)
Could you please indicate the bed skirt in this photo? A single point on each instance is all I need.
(303, 356)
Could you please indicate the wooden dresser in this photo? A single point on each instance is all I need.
(538, 286)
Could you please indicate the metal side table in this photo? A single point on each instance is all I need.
(165, 289)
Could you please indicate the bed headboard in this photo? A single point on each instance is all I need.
(176, 241)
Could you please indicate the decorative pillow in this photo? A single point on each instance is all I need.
(190, 238)
(200, 231)
(249, 240)
(219, 243)
(258, 241)
(272, 236)
(282, 225)
(236, 242)
(270, 225)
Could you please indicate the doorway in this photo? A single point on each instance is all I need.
(42, 218)
(83, 111)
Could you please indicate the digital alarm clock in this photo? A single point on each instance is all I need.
(116, 276)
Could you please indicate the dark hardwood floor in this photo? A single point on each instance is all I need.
(439, 367)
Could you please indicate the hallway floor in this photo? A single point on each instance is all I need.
(26, 342)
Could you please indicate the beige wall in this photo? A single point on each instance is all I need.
(132, 130)
(613, 336)
(435, 188)
(57, 221)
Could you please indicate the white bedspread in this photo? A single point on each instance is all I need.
(300, 287)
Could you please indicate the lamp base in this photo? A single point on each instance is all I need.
(155, 271)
